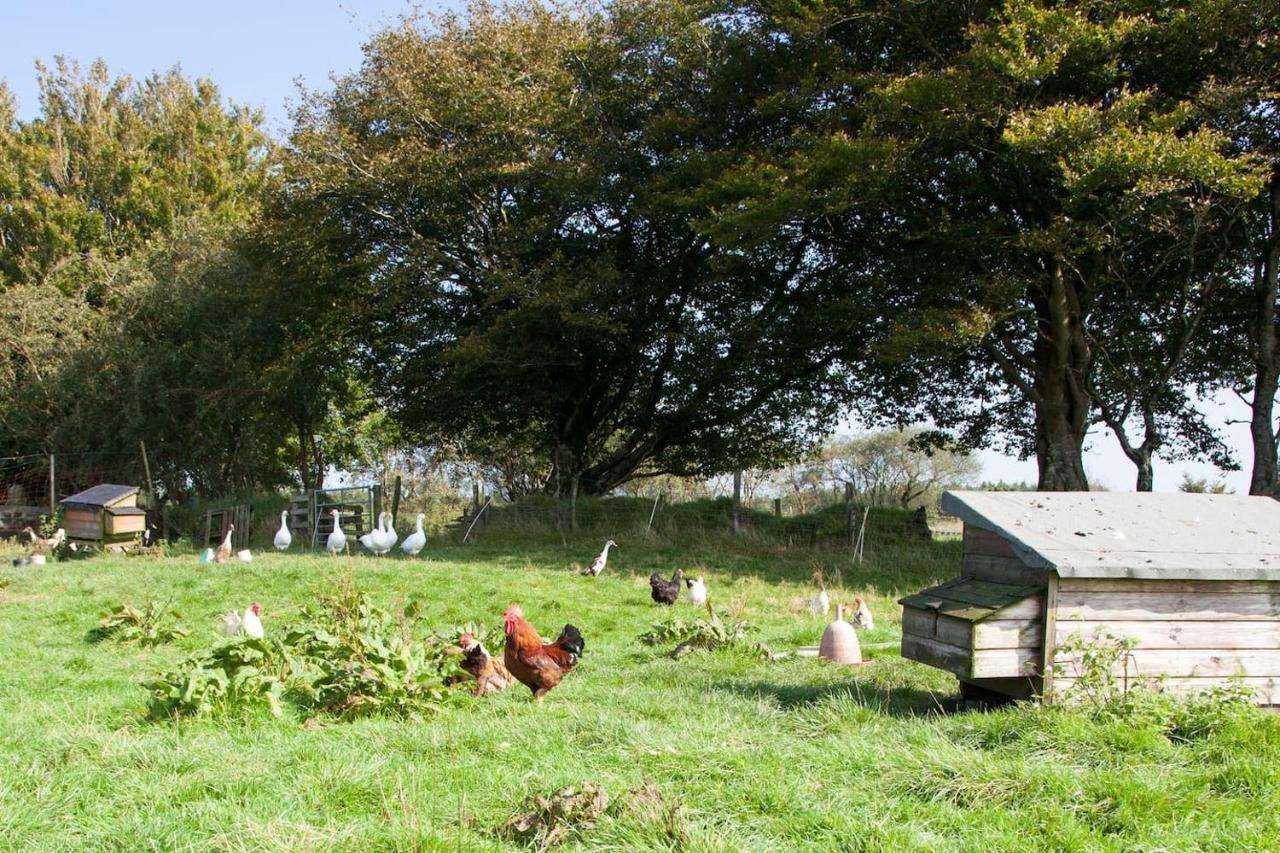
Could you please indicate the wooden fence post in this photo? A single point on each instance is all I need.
(848, 514)
(777, 507)
(53, 489)
(475, 498)
(395, 501)
(146, 467)
(736, 519)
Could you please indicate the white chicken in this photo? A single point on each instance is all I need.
(370, 540)
(697, 590)
(250, 623)
(283, 537)
(415, 541)
(598, 564)
(862, 615)
(820, 603)
(337, 541)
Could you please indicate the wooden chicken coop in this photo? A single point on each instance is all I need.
(1193, 579)
(104, 514)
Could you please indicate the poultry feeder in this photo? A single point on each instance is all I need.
(840, 641)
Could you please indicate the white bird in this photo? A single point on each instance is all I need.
(231, 623)
(415, 541)
(250, 623)
(697, 590)
(370, 540)
(283, 537)
(337, 540)
(388, 538)
(598, 564)
(821, 602)
(862, 615)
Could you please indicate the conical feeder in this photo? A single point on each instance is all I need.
(840, 641)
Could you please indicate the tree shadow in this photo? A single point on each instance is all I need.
(899, 702)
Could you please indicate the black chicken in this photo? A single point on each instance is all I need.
(666, 592)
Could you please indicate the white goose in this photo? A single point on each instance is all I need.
(283, 537)
(337, 540)
(388, 539)
(370, 540)
(415, 541)
(598, 564)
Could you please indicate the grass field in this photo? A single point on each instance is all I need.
(743, 753)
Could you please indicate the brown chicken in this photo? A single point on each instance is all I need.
(490, 675)
(535, 664)
(665, 592)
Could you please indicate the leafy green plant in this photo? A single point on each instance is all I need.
(1103, 669)
(241, 672)
(149, 626)
(708, 634)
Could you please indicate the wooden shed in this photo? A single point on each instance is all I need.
(1193, 579)
(104, 514)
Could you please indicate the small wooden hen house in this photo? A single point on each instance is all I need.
(1193, 579)
(104, 514)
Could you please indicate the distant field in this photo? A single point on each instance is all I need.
(742, 753)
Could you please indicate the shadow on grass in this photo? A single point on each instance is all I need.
(890, 701)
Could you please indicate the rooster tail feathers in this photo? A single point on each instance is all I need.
(571, 640)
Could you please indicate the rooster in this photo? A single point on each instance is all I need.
(491, 675)
(666, 592)
(250, 623)
(535, 664)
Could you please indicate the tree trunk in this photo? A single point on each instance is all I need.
(1266, 359)
(1061, 358)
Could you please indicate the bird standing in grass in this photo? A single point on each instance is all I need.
(337, 540)
(697, 590)
(388, 538)
(415, 541)
(666, 592)
(371, 539)
(598, 564)
(224, 550)
(231, 624)
(251, 623)
(283, 537)
(535, 664)
(821, 602)
(862, 615)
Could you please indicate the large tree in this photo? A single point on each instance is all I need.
(516, 203)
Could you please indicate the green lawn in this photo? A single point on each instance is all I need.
(746, 754)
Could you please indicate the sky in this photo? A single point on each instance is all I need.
(259, 52)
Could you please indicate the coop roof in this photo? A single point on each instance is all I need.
(1126, 535)
(104, 494)
(126, 510)
(968, 598)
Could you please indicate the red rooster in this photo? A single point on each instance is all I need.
(535, 664)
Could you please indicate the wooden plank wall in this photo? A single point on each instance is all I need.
(992, 648)
(989, 557)
(1198, 634)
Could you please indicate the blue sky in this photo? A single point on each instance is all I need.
(257, 52)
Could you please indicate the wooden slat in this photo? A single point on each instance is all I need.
(1266, 690)
(941, 655)
(1167, 606)
(1049, 633)
(988, 634)
(1134, 585)
(1204, 663)
(979, 541)
(1005, 663)
(1181, 634)
(1008, 570)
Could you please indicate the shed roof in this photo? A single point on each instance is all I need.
(104, 494)
(1132, 535)
(968, 598)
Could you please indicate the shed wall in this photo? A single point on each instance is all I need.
(988, 557)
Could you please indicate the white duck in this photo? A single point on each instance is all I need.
(371, 539)
(283, 537)
(415, 541)
(337, 540)
(697, 590)
(224, 550)
(598, 564)
(388, 539)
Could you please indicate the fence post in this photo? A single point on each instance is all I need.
(848, 513)
(736, 520)
(146, 467)
(53, 489)
(475, 498)
(573, 503)
(395, 501)
(777, 507)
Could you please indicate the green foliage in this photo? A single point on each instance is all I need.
(152, 625)
(241, 673)
(709, 634)
(1103, 669)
